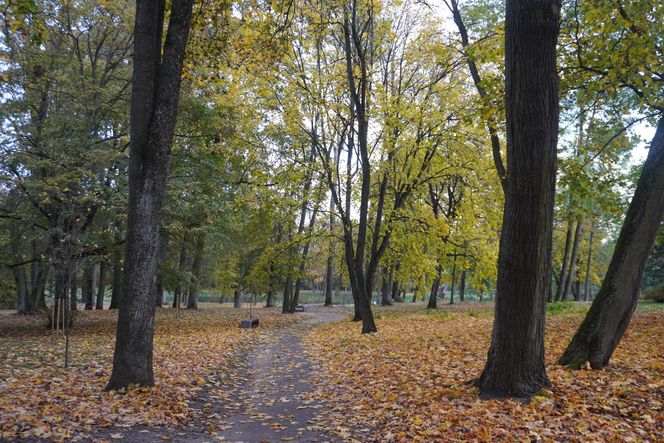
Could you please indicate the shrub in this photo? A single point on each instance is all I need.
(654, 293)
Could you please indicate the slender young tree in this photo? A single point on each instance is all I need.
(154, 102)
(515, 365)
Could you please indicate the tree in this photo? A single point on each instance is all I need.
(515, 364)
(155, 94)
(610, 313)
(630, 73)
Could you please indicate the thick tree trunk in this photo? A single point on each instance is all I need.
(101, 288)
(237, 299)
(569, 281)
(586, 285)
(515, 364)
(462, 287)
(563, 269)
(610, 314)
(155, 93)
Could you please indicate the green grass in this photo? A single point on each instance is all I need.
(567, 307)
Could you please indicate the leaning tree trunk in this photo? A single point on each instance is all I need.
(154, 101)
(610, 314)
(101, 289)
(515, 365)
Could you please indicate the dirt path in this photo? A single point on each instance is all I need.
(265, 399)
(271, 403)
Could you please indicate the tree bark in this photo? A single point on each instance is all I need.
(329, 280)
(610, 314)
(237, 299)
(453, 281)
(386, 290)
(101, 288)
(155, 94)
(572, 261)
(73, 292)
(563, 270)
(288, 294)
(88, 286)
(433, 296)
(182, 262)
(196, 268)
(462, 287)
(515, 364)
(586, 285)
(117, 279)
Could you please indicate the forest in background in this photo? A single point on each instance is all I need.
(265, 171)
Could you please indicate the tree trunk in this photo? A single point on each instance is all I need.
(462, 286)
(269, 302)
(586, 285)
(117, 280)
(101, 288)
(237, 299)
(433, 296)
(572, 261)
(196, 268)
(154, 101)
(386, 290)
(563, 269)
(515, 364)
(73, 292)
(160, 296)
(453, 281)
(270, 292)
(610, 314)
(23, 304)
(88, 286)
(329, 280)
(288, 294)
(182, 263)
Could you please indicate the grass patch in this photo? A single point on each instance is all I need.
(567, 307)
